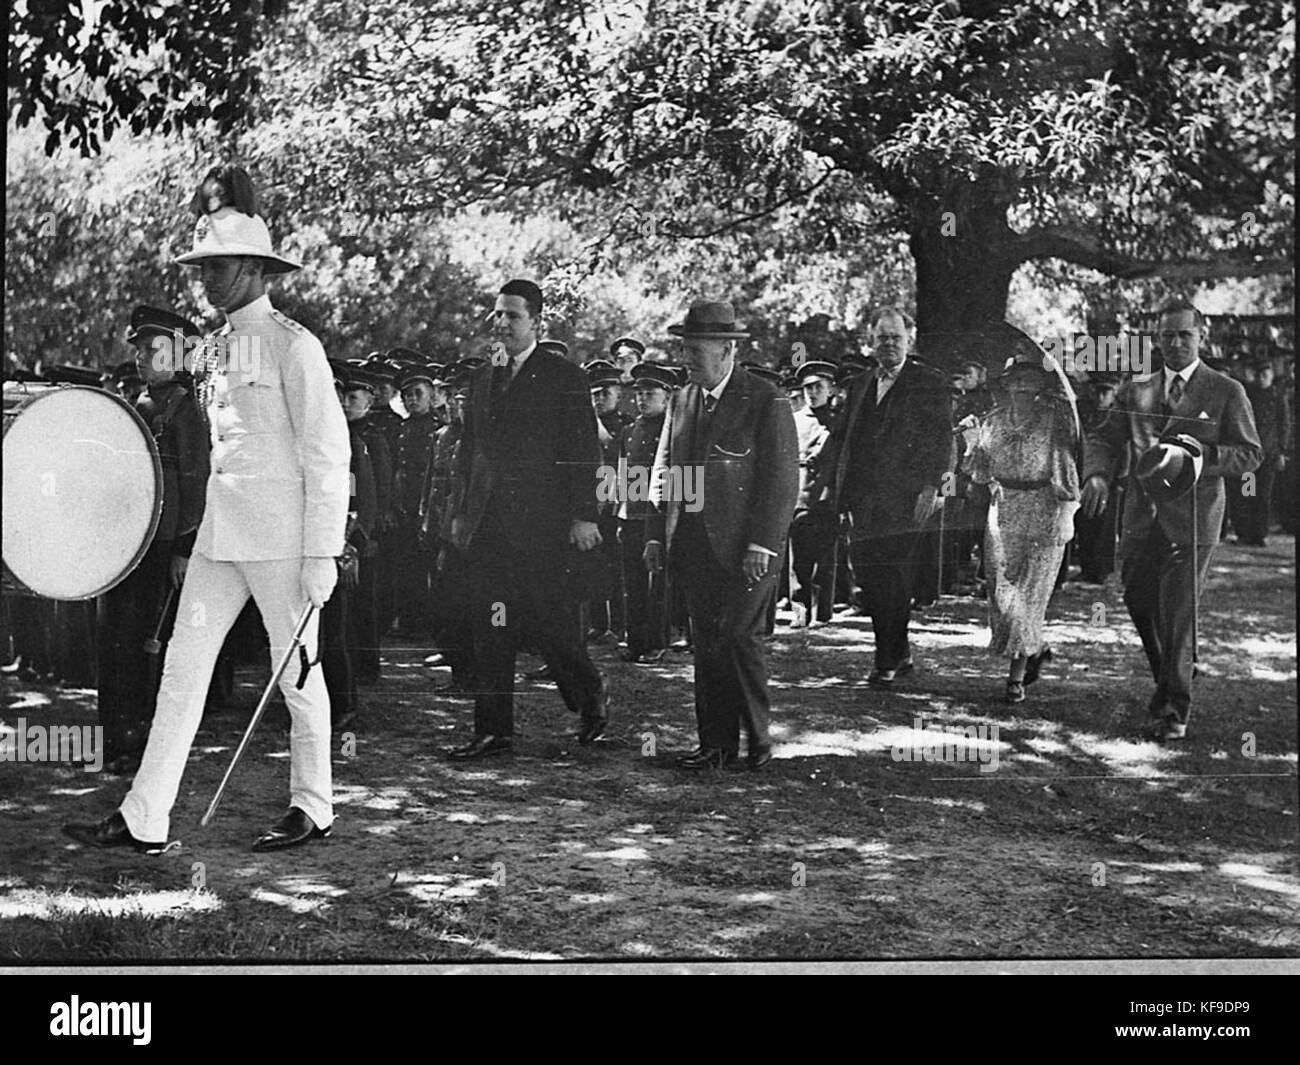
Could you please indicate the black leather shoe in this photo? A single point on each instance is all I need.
(111, 832)
(292, 829)
(707, 758)
(759, 756)
(481, 747)
(594, 727)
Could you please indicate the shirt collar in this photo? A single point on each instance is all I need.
(250, 312)
(518, 360)
(716, 392)
(1185, 373)
(881, 372)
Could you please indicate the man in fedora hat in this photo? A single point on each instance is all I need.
(1161, 578)
(889, 456)
(725, 481)
(276, 510)
(524, 503)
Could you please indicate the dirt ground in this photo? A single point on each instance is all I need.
(1086, 841)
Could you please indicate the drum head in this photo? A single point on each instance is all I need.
(82, 491)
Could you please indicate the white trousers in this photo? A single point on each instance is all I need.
(211, 598)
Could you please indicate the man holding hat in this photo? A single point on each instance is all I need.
(1169, 422)
(726, 478)
(129, 614)
(273, 526)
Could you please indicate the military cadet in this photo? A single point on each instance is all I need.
(363, 621)
(652, 384)
(1095, 536)
(384, 414)
(626, 353)
(414, 447)
(129, 616)
(607, 613)
(273, 525)
(814, 528)
(338, 642)
(450, 594)
(383, 372)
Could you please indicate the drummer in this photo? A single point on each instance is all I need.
(273, 527)
(132, 612)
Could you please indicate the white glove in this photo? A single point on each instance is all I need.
(319, 575)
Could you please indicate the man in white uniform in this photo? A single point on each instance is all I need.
(277, 503)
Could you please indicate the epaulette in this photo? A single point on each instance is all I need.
(288, 322)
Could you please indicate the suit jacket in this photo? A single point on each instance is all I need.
(750, 459)
(1214, 410)
(879, 457)
(280, 452)
(532, 451)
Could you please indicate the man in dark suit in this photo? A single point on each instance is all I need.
(1184, 398)
(524, 502)
(885, 465)
(725, 483)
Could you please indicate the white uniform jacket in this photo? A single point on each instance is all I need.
(279, 480)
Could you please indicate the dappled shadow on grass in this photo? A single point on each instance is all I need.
(1084, 840)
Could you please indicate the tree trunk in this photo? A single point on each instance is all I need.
(965, 257)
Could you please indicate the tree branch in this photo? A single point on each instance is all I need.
(1073, 246)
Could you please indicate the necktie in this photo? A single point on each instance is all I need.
(884, 380)
(710, 402)
(1175, 391)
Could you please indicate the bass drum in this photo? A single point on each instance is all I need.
(82, 490)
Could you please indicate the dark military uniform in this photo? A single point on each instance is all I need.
(814, 527)
(129, 614)
(1095, 537)
(407, 559)
(364, 619)
(607, 614)
(646, 630)
(384, 372)
(336, 639)
(1251, 511)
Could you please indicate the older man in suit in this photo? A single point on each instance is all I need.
(1161, 578)
(524, 505)
(885, 465)
(273, 527)
(725, 482)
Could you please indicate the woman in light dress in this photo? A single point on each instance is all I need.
(1025, 451)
